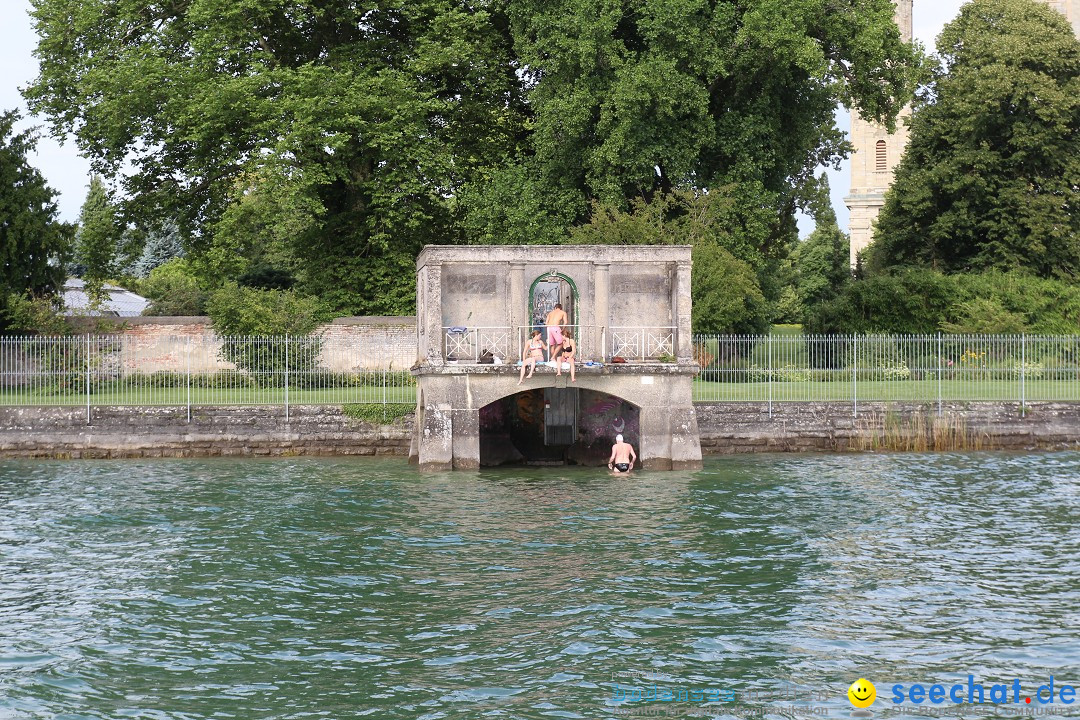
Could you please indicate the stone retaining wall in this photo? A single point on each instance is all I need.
(724, 428)
(124, 432)
(794, 427)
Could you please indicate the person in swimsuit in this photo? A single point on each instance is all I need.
(554, 322)
(531, 353)
(622, 456)
(566, 354)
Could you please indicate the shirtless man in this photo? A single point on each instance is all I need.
(622, 456)
(554, 322)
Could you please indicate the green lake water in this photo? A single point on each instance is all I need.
(359, 588)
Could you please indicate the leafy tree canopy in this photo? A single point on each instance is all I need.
(726, 291)
(369, 115)
(991, 176)
(97, 239)
(34, 245)
(629, 99)
(387, 125)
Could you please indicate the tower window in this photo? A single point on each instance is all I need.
(881, 159)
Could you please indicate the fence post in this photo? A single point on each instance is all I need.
(286, 377)
(187, 353)
(768, 339)
(940, 370)
(854, 376)
(87, 378)
(1023, 370)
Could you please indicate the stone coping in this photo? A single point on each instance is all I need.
(629, 368)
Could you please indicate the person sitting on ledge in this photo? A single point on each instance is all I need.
(565, 353)
(532, 352)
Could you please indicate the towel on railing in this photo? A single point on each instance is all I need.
(457, 329)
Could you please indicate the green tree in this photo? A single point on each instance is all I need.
(173, 289)
(34, 245)
(991, 174)
(97, 239)
(725, 286)
(162, 244)
(372, 115)
(633, 99)
(821, 264)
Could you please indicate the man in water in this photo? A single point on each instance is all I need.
(622, 456)
(554, 322)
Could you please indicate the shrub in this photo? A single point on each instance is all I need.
(172, 289)
(726, 294)
(240, 312)
(39, 314)
(923, 301)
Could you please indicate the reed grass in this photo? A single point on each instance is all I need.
(920, 431)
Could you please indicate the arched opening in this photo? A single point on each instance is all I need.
(555, 426)
(882, 158)
(545, 292)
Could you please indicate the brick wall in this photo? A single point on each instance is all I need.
(182, 344)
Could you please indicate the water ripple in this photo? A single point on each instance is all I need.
(357, 588)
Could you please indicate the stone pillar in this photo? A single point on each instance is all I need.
(466, 445)
(517, 306)
(655, 438)
(683, 339)
(436, 433)
(433, 319)
(601, 310)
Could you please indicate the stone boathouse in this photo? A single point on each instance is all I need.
(629, 311)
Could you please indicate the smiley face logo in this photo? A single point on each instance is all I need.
(862, 693)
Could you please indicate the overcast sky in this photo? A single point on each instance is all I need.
(68, 173)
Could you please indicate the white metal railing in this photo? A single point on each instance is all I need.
(930, 369)
(130, 369)
(642, 343)
(466, 344)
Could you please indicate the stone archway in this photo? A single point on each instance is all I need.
(547, 290)
(555, 426)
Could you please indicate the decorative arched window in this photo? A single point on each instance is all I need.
(881, 159)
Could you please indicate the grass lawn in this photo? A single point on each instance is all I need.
(839, 391)
(214, 396)
(888, 391)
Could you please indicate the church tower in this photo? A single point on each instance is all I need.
(877, 151)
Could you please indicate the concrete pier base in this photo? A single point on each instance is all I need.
(447, 431)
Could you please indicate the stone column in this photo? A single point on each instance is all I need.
(435, 425)
(655, 438)
(433, 311)
(517, 306)
(683, 338)
(601, 309)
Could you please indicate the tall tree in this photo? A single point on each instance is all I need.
(162, 244)
(631, 99)
(33, 244)
(991, 178)
(821, 263)
(97, 239)
(373, 114)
